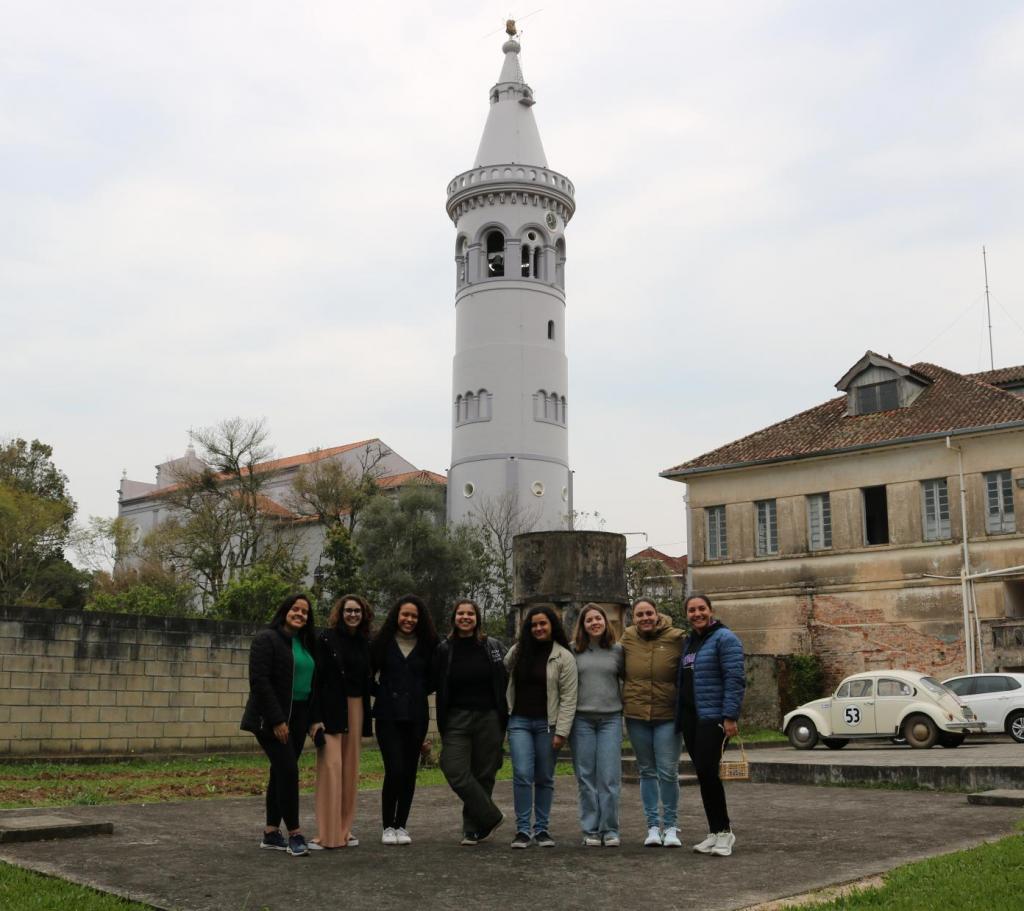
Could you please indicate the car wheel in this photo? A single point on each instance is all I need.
(835, 743)
(802, 733)
(921, 732)
(950, 741)
(1015, 726)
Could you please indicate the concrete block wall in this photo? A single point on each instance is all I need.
(77, 683)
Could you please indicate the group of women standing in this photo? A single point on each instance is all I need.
(545, 691)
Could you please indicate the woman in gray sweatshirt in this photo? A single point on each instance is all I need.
(596, 736)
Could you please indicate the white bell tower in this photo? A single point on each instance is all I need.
(510, 397)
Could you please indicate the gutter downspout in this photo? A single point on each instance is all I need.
(965, 583)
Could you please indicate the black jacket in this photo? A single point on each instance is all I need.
(331, 696)
(271, 667)
(499, 678)
(403, 685)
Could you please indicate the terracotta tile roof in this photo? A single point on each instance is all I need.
(952, 402)
(406, 477)
(1000, 376)
(306, 458)
(672, 564)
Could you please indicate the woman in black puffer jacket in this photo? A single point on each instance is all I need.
(280, 713)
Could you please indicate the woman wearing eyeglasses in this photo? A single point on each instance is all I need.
(343, 697)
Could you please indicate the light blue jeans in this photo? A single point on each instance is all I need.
(597, 761)
(657, 745)
(533, 772)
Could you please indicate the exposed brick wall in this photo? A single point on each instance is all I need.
(850, 637)
(75, 682)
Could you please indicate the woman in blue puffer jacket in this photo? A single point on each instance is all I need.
(710, 689)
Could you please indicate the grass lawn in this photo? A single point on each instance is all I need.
(987, 878)
(51, 784)
(27, 891)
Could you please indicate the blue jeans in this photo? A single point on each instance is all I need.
(533, 771)
(597, 761)
(657, 745)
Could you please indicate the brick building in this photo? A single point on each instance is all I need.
(839, 531)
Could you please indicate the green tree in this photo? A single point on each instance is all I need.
(147, 592)
(409, 548)
(36, 515)
(336, 492)
(253, 597)
(341, 566)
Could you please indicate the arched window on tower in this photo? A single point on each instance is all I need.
(527, 261)
(461, 262)
(560, 263)
(471, 407)
(495, 254)
(549, 407)
(538, 261)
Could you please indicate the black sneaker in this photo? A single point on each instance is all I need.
(297, 846)
(275, 841)
(544, 840)
(470, 838)
(522, 840)
(484, 834)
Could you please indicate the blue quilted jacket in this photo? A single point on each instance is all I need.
(719, 677)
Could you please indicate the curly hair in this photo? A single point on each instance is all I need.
(425, 631)
(365, 624)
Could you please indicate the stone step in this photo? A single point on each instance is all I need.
(1001, 797)
(19, 827)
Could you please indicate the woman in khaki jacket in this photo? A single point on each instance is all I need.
(652, 646)
(542, 684)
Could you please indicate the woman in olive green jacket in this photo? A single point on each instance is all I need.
(652, 646)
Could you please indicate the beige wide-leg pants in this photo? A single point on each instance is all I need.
(337, 780)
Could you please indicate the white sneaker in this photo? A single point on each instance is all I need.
(612, 841)
(402, 837)
(352, 842)
(723, 844)
(592, 841)
(653, 839)
(390, 837)
(704, 847)
(671, 838)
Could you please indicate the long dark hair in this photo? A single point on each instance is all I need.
(526, 646)
(335, 621)
(478, 631)
(425, 632)
(307, 635)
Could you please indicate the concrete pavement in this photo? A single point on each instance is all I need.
(202, 856)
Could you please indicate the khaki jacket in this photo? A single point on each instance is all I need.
(649, 692)
(562, 680)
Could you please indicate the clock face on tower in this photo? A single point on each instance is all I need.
(552, 221)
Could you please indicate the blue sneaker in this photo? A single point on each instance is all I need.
(275, 841)
(297, 846)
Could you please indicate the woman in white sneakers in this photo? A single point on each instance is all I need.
(710, 684)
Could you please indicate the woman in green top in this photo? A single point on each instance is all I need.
(280, 712)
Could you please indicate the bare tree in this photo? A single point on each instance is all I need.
(221, 522)
(499, 520)
(335, 492)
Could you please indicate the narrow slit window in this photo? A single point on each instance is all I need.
(767, 528)
(716, 545)
(935, 509)
(551, 330)
(876, 515)
(819, 521)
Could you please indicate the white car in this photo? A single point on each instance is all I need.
(997, 700)
(886, 704)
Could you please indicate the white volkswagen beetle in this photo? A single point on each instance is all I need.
(885, 704)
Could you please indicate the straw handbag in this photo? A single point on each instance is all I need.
(734, 769)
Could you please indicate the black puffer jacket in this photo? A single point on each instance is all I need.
(271, 667)
(331, 695)
(403, 685)
(442, 670)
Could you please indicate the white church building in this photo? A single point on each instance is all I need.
(510, 400)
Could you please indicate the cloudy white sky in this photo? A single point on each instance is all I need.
(237, 208)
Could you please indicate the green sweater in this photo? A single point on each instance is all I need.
(302, 677)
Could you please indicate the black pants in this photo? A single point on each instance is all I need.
(470, 759)
(283, 785)
(704, 741)
(399, 743)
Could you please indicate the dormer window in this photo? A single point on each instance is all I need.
(877, 383)
(878, 397)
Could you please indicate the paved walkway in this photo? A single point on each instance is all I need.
(202, 856)
(876, 753)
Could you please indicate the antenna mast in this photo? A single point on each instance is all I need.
(988, 309)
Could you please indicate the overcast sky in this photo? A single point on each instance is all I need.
(237, 208)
